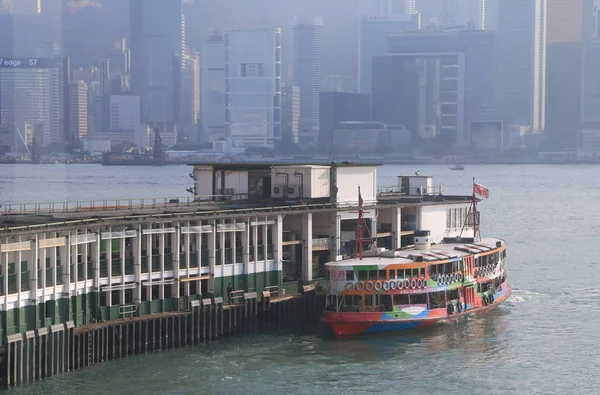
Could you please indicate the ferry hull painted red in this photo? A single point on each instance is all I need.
(348, 324)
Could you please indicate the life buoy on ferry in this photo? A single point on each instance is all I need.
(400, 284)
(349, 287)
(456, 277)
(447, 278)
(360, 286)
(413, 283)
(406, 284)
(369, 286)
(377, 285)
(419, 283)
(386, 285)
(424, 284)
(460, 277)
(393, 284)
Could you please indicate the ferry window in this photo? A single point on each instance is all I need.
(383, 275)
(437, 300)
(400, 273)
(418, 299)
(449, 267)
(422, 272)
(400, 300)
(349, 275)
(372, 274)
(357, 301)
(414, 273)
(362, 275)
(386, 302)
(368, 300)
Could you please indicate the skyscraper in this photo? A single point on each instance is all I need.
(569, 23)
(373, 34)
(190, 95)
(157, 43)
(212, 88)
(307, 74)
(521, 41)
(253, 87)
(463, 15)
(78, 110)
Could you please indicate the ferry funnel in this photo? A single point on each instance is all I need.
(422, 240)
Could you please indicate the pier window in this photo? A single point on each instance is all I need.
(24, 276)
(12, 278)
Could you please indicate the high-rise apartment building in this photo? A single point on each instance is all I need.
(30, 93)
(307, 74)
(78, 110)
(463, 15)
(157, 43)
(253, 87)
(520, 27)
(190, 95)
(569, 24)
(212, 77)
(290, 113)
(373, 41)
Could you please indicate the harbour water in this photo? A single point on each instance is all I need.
(543, 340)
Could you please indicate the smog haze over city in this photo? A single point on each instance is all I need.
(234, 188)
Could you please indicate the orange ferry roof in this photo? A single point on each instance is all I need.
(438, 252)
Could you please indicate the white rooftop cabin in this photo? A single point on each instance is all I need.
(240, 181)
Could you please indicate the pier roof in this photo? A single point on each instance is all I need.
(240, 166)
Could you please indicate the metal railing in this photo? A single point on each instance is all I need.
(395, 190)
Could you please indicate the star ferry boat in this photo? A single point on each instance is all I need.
(423, 284)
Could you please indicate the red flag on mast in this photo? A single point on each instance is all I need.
(360, 199)
(480, 190)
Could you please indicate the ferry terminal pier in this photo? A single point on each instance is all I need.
(85, 282)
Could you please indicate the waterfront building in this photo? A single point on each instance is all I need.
(212, 103)
(520, 27)
(157, 43)
(338, 107)
(263, 228)
(290, 113)
(253, 87)
(463, 15)
(423, 83)
(78, 110)
(30, 92)
(373, 32)
(569, 25)
(307, 74)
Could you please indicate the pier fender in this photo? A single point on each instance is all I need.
(369, 286)
(377, 285)
(386, 285)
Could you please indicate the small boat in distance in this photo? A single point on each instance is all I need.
(457, 167)
(416, 286)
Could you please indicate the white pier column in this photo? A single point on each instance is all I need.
(254, 256)
(43, 256)
(122, 254)
(176, 251)
(396, 227)
(335, 232)
(222, 246)
(246, 245)
(150, 259)
(212, 244)
(18, 273)
(108, 243)
(137, 265)
(66, 261)
(161, 252)
(307, 252)
(278, 244)
(265, 235)
(75, 262)
(34, 269)
(96, 264)
(4, 264)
